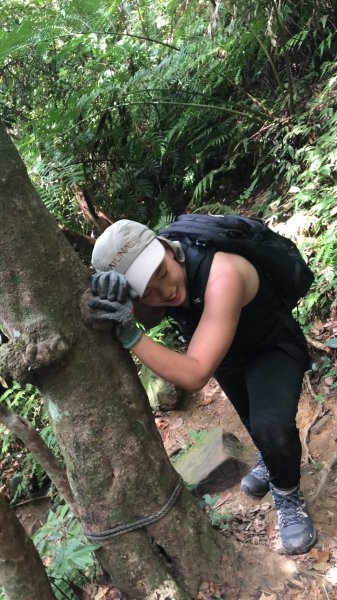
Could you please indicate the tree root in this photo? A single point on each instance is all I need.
(324, 477)
(307, 458)
(318, 345)
(309, 386)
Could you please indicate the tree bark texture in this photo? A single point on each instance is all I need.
(22, 574)
(116, 464)
(35, 444)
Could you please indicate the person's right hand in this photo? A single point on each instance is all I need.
(111, 286)
(119, 314)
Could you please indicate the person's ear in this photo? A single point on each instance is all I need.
(169, 252)
(168, 249)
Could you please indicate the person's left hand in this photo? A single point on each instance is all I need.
(120, 314)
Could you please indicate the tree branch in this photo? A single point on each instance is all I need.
(35, 444)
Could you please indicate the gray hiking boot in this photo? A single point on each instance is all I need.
(297, 532)
(256, 482)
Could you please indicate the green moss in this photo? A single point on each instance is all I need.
(119, 516)
(138, 429)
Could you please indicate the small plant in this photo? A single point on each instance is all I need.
(218, 520)
(197, 436)
(26, 402)
(165, 333)
(65, 551)
(326, 367)
(317, 466)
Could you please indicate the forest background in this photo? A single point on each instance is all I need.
(148, 109)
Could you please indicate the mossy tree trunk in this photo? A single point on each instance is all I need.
(116, 464)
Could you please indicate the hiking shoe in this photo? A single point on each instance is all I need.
(297, 532)
(256, 482)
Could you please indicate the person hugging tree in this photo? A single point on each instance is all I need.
(240, 331)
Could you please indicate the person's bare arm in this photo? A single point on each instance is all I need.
(228, 289)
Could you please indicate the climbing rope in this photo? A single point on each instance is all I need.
(110, 533)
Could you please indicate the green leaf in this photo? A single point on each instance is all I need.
(331, 343)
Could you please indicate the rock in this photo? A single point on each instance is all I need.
(162, 394)
(213, 464)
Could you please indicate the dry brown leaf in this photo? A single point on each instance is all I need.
(161, 423)
(296, 583)
(174, 450)
(270, 531)
(177, 423)
(319, 555)
(97, 592)
(102, 593)
(324, 555)
(205, 401)
(321, 566)
(165, 435)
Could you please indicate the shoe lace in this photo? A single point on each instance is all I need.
(291, 508)
(260, 470)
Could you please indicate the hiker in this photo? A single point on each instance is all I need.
(240, 331)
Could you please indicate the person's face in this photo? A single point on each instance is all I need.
(167, 286)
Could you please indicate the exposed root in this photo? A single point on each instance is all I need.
(324, 477)
(318, 345)
(307, 458)
(309, 386)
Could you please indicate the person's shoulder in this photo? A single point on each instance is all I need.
(229, 263)
(232, 273)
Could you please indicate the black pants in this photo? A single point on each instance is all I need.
(265, 391)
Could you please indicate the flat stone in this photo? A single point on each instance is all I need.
(213, 464)
(162, 395)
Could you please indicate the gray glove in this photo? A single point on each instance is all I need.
(120, 314)
(111, 285)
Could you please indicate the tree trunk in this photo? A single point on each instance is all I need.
(116, 464)
(22, 574)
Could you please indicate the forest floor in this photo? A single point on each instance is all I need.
(253, 521)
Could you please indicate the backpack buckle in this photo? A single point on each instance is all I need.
(201, 242)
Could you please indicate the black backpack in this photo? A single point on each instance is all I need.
(276, 256)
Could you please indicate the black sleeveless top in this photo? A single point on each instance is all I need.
(264, 323)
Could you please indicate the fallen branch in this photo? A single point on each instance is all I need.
(318, 345)
(32, 500)
(35, 444)
(325, 592)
